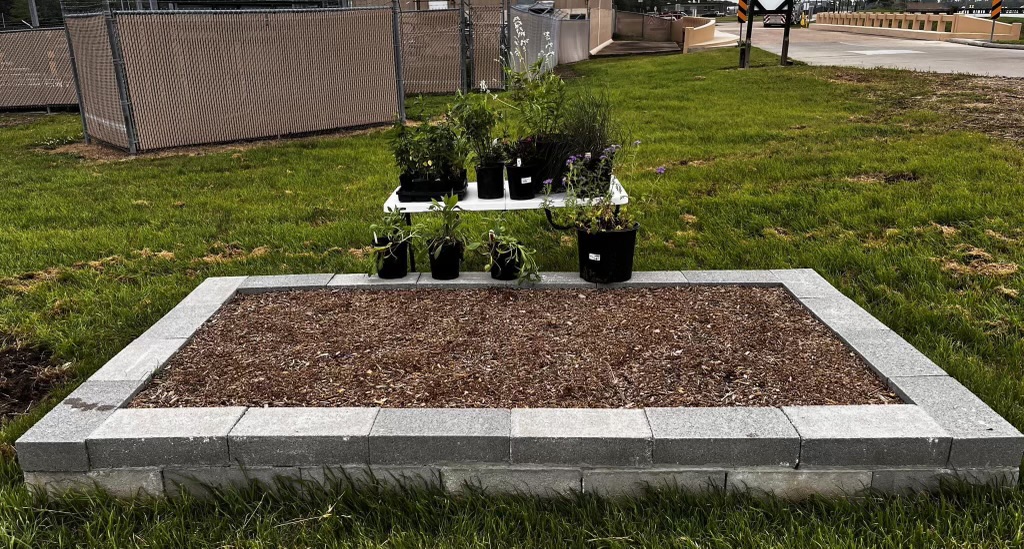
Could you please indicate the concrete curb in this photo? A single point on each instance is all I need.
(984, 44)
(942, 431)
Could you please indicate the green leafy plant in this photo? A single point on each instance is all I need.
(587, 124)
(591, 214)
(430, 151)
(536, 94)
(476, 120)
(445, 228)
(499, 242)
(393, 231)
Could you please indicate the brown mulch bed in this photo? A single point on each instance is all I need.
(698, 346)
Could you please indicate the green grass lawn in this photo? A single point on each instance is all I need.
(845, 171)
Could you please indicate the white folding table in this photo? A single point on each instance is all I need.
(473, 203)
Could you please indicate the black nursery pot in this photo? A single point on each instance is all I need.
(606, 256)
(445, 266)
(505, 265)
(422, 189)
(520, 181)
(395, 265)
(490, 181)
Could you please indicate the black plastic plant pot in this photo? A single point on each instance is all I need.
(445, 265)
(505, 265)
(395, 262)
(520, 181)
(606, 256)
(423, 189)
(490, 181)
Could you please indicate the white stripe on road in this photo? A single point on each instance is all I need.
(885, 52)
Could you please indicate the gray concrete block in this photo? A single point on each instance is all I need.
(57, 441)
(613, 482)
(981, 437)
(842, 314)
(562, 281)
(535, 481)
(650, 279)
(705, 437)
(805, 283)
(733, 277)
(351, 476)
(466, 280)
(301, 436)
(907, 481)
(144, 437)
(795, 484)
(1007, 477)
(423, 436)
(203, 482)
(889, 355)
(895, 435)
(355, 281)
(406, 476)
(122, 483)
(139, 360)
(575, 436)
(197, 307)
(272, 283)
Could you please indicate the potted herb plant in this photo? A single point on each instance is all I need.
(605, 237)
(535, 98)
(522, 168)
(432, 160)
(390, 253)
(508, 258)
(476, 121)
(446, 240)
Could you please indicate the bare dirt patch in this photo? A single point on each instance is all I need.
(26, 376)
(702, 346)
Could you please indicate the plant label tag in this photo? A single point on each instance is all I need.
(594, 257)
(527, 180)
(519, 162)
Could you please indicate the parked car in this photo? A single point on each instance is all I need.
(775, 20)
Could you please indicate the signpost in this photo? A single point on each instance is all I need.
(997, 9)
(747, 11)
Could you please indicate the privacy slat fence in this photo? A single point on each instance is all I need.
(35, 69)
(213, 77)
(168, 78)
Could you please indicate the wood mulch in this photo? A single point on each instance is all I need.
(694, 346)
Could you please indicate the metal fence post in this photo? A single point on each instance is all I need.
(122, 82)
(471, 37)
(78, 86)
(464, 44)
(396, 33)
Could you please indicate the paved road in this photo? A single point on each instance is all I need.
(859, 50)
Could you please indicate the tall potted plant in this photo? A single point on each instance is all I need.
(476, 121)
(446, 239)
(391, 238)
(432, 160)
(535, 98)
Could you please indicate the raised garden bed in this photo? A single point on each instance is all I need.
(508, 348)
(605, 404)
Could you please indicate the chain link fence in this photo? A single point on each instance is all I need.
(153, 79)
(35, 69)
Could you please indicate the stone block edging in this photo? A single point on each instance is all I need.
(943, 429)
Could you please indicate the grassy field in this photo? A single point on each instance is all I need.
(868, 176)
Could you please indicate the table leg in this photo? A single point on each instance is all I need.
(551, 221)
(412, 250)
